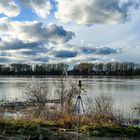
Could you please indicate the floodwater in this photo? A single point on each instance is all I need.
(125, 91)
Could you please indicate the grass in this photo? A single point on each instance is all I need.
(17, 126)
(111, 130)
(25, 127)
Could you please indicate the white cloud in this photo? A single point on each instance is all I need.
(34, 31)
(93, 11)
(40, 7)
(9, 8)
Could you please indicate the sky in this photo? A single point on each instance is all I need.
(69, 31)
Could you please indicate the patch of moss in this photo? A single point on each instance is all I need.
(114, 130)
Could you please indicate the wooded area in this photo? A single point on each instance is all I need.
(110, 68)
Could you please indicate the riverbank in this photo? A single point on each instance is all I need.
(57, 131)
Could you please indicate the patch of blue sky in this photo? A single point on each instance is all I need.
(2, 15)
(26, 14)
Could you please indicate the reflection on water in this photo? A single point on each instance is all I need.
(123, 90)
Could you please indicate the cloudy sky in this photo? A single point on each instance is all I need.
(69, 31)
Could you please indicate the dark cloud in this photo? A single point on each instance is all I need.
(65, 54)
(16, 44)
(35, 51)
(58, 31)
(30, 52)
(4, 60)
(40, 32)
(5, 54)
(105, 51)
(99, 51)
(88, 50)
(41, 59)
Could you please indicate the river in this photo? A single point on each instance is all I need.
(125, 91)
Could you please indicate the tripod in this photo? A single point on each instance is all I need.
(77, 107)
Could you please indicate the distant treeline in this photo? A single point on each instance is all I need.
(110, 68)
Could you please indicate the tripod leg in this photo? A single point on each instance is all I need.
(78, 116)
(82, 106)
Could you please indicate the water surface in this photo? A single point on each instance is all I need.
(125, 91)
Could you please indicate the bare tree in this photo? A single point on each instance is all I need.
(61, 91)
(89, 105)
(101, 108)
(37, 94)
(104, 107)
(66, 91)
(71, 95)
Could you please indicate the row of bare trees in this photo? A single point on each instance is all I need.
(110, 68)
(38, 69)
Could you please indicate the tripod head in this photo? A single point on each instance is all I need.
(80, 84)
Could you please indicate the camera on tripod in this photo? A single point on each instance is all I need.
(80, 84)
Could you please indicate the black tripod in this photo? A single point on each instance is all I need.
(77, 107)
